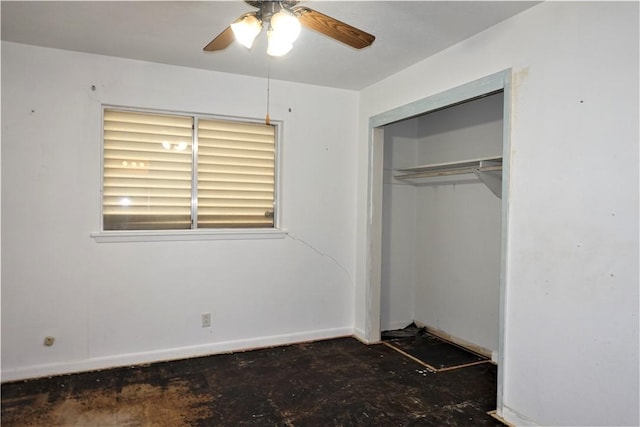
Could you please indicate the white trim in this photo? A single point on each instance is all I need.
(504, 243)
(182, 235)
(130, 359)
(513, 417)
(463, 93)
(277, 187)
(360, 336)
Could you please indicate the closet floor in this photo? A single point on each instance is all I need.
(339, 382)
(434, 353)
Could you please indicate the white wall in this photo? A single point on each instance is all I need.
(109, 304)
(466, 131)
(571, 324)
(398, 269)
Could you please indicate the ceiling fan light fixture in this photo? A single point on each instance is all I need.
(282, 20)
(246, 29)
(278, 45)
(286, 25)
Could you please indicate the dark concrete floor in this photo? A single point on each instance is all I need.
(339, 382)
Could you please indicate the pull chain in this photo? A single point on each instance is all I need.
(267, 120)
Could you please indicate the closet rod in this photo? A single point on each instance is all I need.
(448, 172)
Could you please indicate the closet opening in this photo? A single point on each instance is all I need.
(438, 211)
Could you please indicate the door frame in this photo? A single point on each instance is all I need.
(500, 81)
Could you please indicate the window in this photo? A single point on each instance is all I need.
(171, 172)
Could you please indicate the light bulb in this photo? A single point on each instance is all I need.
(246, 29)
(286, 25)
(278, 45)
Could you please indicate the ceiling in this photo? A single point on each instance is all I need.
(174, 32)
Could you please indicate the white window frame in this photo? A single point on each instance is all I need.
(277, 232)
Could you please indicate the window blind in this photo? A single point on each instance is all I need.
(147, 171)
(236, 164)
(161, 174)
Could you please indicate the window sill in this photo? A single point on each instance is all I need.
(185, 235)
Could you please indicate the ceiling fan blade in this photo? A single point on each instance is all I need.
(223, 40)
(333, 28)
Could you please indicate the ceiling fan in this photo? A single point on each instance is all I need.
(282, 20)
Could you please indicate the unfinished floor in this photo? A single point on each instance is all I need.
(339, 382)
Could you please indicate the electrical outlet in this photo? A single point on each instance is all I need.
(48, 341)
(206, 320)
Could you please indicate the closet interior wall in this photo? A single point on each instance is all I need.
(441, 239)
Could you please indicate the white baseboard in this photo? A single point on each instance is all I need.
(488, 353)
(515, 418)
(494, 414)
(120, 360)
(359, 334)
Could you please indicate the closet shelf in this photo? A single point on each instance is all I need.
(487, 169)
(486, 164)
